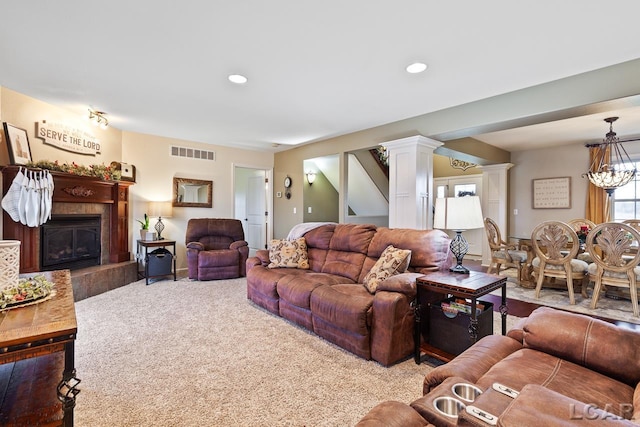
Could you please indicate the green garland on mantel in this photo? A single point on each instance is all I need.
(103, 172)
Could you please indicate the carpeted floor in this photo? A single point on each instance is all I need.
(200, 354)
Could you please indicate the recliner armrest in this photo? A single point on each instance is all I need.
(404, 283)
(195, 245)
(537, 405)
(474, 362)
(238, 244)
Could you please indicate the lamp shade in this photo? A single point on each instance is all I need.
(160, 209)
(458, 213)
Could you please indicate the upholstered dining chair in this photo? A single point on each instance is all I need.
(503, 253)
(554, 245)
(615, 260)
(634, 223)
(578, 223)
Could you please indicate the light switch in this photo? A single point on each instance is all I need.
(309, 209)
(295, 210)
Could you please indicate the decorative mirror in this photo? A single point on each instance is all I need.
(193, 193)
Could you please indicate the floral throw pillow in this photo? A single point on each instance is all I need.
(392, 261)
(288, 254)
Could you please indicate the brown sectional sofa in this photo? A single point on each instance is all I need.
(569, 369)
(330, 299)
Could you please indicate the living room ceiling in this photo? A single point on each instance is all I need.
(315, 69)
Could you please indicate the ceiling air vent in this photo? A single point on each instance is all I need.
(193, 153)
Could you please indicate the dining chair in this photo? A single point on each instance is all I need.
(615, 261)
(634, 223)
(582, 226)
(555, 257)
(578, 223)
(503, 253)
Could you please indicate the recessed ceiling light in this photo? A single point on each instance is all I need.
(416, 67)
(237, 78)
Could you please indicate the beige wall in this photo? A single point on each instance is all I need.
(560, 98)
(24, 112)
(155, 167)
(569, 160)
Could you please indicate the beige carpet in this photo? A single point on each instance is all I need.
(200, 354)
(616, 309)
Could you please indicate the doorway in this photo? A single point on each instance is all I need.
(460, 186)
(252, 205)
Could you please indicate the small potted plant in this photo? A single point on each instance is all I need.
(145, 226)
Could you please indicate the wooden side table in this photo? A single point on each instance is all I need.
(165, 270)
(30, 393)
(468, 286)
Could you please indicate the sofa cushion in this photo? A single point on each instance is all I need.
(438, 255)
(540, 406)
(527, 366)
(348, 249)
(596, 344)
(345, 306)
(391, 262)
(297, 289)
(218, 258)
(288, 254)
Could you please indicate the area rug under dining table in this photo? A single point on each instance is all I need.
(608, 308)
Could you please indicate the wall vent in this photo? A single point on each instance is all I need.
(193, 153)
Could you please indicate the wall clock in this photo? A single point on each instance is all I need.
(287, 182)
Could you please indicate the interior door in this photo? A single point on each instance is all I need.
(459, 187)
(256, 208)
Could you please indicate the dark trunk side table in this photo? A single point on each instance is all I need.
(468, 286)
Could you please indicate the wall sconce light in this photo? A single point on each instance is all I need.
(97, 118)
(311, 177)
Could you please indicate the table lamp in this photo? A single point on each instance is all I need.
(160, 209)
(458, 214)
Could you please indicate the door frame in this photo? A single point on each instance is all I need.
(268, 173)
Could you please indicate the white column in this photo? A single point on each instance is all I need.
(495, 199)
(411, 181)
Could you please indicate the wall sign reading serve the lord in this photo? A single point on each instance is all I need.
(68, 138)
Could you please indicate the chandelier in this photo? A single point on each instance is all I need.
(611, 167)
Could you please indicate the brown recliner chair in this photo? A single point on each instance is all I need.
(216, 249)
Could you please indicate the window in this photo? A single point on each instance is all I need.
(626, 200)
(461, 190)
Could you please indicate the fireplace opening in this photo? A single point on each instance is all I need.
(70, 241)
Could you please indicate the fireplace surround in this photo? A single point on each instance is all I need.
(75, 194)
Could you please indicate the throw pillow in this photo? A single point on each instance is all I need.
(392, 261)
(288, 254)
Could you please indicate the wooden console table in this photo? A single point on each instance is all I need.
(33, 340)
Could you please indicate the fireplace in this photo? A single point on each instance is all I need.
(70, 241)
(77, 195)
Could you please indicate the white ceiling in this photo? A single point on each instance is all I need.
(315, 69)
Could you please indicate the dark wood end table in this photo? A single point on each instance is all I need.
(144, 271)
(469, 286)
